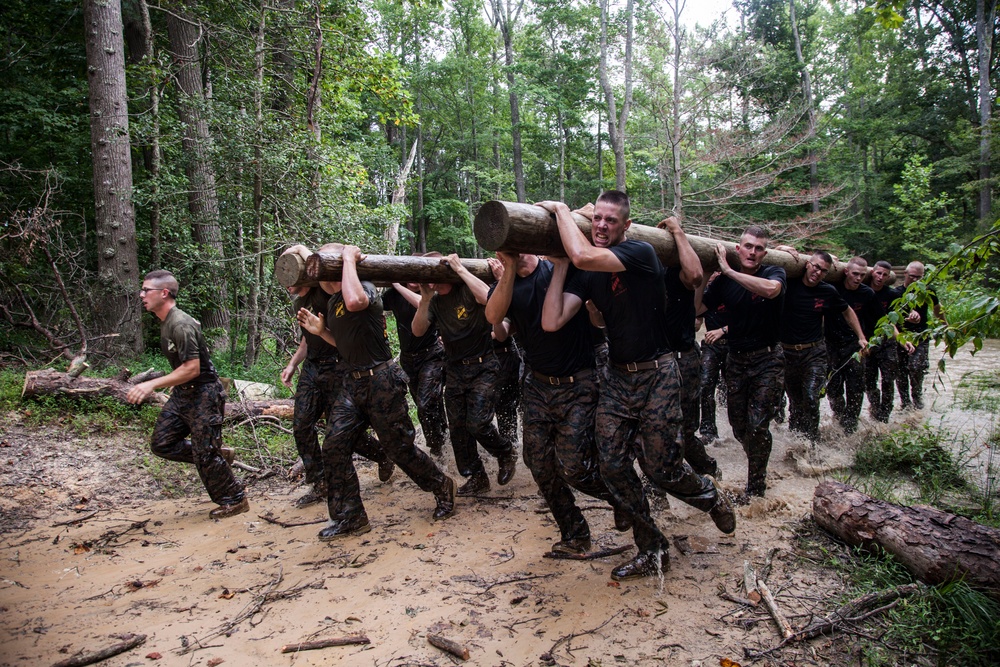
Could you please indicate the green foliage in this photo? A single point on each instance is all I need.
(924, 224)
(920, 455)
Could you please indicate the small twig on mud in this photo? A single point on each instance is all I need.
(765, 571)
(79, 519)
(289, 524)
(15, 583)
(239, 465)
(325, 643)
(851, 612)
(515, 580)
(550, 659)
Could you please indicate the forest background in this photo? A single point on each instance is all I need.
(205, 137)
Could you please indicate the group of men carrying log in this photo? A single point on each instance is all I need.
(585, 421)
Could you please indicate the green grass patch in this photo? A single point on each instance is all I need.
(979, 390)
(950, 625)
(921, 455)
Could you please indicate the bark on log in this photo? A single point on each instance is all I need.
(936, 547)
(377, 269)
(325, 643)
(91, 657)
(448, 645)
(48, 382)
(513, 227)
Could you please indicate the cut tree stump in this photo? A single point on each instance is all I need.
(936, 547)
(48, 382)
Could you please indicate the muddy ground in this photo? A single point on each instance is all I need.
(93, 547)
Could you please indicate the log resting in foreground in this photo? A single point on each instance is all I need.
(513, 227)
(292, 270)
(48, 382)
(936, 547)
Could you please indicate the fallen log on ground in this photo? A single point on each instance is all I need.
(513, 227)
(292, 270)
(936, 547)
(48, 382)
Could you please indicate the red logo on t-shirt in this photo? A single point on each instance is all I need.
(617, 286)
(818, 304)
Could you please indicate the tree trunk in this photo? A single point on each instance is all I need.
(399, 197)
(985, 15)
(675, 134)
(811, 109)
(117, 259)
(185, 34)
(616, 121)
(512, 227)
(256, 276)
(504, 18)
(936, 547)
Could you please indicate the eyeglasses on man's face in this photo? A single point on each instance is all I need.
(146, 290)
(818, 267)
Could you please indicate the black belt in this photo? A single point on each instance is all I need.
(798, 347)
(554, 381)
(750, 353)
(368, 372)
(636, 366)
(471, 361)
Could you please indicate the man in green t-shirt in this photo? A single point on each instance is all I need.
(196, 402)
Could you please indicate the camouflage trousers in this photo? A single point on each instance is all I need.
(470, 400)
(846, 388)
(713, 373)
(912, 369)
(425, 373)
(805, 373)
(318, 386)
(883, 360)
(560, 450)
(754, 385)
(647, 404)
(689, 366)
(379, 401)
(197, 411)
(508, 392)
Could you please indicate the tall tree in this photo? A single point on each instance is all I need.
(118, 271)
(504, 17)
(985, 17)
(807, 94)
(617, 120)
(186, 33)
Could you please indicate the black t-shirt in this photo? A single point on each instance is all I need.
(404, 312)
(462, 323)
(632, 302)
(361, 336)
(923, 310)
(715, 318)
(886, 296)
(864, 304)
(680, 312)
(316, 301)
(181, 340)
(557, 353)
(805, 309)
(754, 322)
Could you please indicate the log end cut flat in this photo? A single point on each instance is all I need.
(289, 270)
(492, 225)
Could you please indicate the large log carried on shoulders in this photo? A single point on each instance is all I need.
(525, 228)
(293, 270)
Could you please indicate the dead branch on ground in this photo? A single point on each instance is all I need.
(91, 657)
(325, 643)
